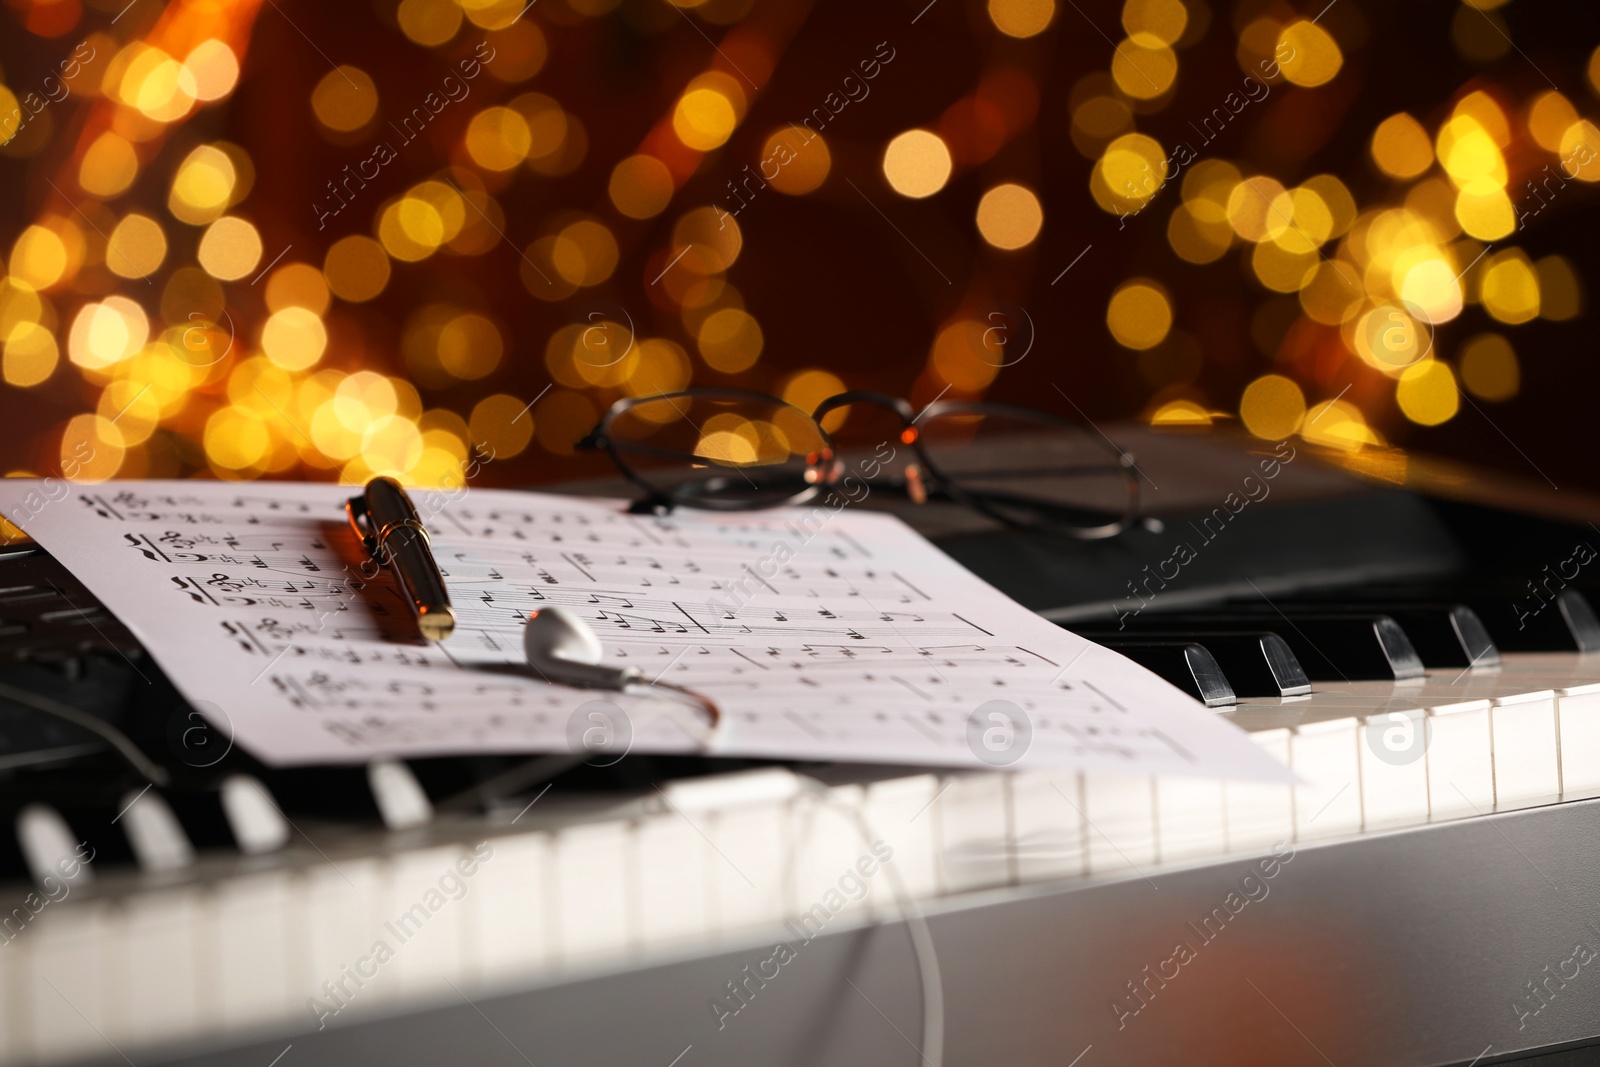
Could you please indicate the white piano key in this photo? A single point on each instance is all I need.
(259, 977)
(1048, 829)
(253, 816)
(751, 880)
(1460, 760)
(974, 832)
(828, 890)
(345, 911)
(1119, 810)
(159, 963)
(513, 907)
(70, 987)
(400, 798)
(1328, 802)
(156, 836)
(1394, 768)
(899, 812)
(675, 871)
(592, 868)
(1578, 712)
(1260, 814)
(425, 912)
(1525, 759)
(1190, 818)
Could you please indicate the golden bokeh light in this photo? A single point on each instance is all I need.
(705, 241)
(38, 258)
(502, 424)
(1010, 216)
(917, 164)
(1258, 210)
(584, 253)
(1489, 368)
(136, 247)
(297, 285)
(1312, 56)
(704, 118)
(345, 99)
(357, 268)
(1165, 20)
(800, 158)
(91, 449)
(1427, 393)
(730, 340)
(498, 138)
(150, 80)
(1021, 18)
(1130, 172)
(1401, 147)
(109, 166)
(641, 186)
(1509, 288)
(230, 249)
(1549, 117)
(1144, 67)
(203, 186)
(469, 346)
(429, 22)
(294, 338)
(210, 71)
(1560, 295)
(1272, 407)
(30, 355)
(107, 332)
(1139, 314)
(1338, 424)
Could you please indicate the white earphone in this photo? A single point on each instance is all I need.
(563, 648)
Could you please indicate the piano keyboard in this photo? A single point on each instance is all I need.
(188, 945)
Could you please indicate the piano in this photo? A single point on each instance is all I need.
(1414, 640)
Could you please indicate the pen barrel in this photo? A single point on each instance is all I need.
(401, 542)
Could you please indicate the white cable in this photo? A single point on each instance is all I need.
(922, 946)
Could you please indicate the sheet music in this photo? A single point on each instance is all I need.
(823, 634)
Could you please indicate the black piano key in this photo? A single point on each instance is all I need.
(1183, 663)
(1329, 647)
(1257, 663)
(1516, 620)
(1444, 634)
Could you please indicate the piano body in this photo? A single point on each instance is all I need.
(1425, 895)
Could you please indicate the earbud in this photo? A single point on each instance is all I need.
(563, 648)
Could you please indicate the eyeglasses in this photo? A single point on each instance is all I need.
(736, 450)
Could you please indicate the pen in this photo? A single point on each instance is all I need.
(387, 524)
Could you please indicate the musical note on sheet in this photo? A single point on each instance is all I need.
(823, 634)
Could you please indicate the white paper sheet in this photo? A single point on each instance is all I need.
(823, 634)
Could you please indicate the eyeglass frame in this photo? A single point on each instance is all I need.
(823, 470)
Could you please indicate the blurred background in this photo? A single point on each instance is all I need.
(437, 238)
